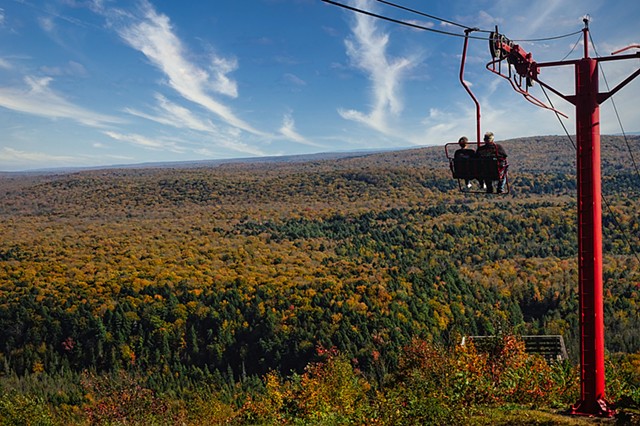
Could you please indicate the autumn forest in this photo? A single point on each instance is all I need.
(246, 278)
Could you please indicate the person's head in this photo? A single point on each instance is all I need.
(488, 137)
(463, 141)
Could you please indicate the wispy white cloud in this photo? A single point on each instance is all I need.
(17, 159)
(331, 31)
(367, 50)
(72, 68)
(221, 83)
(153, 35)
(11, 155)
(56, 27)
(540, 13)
(441, 127)
(12, 159)
(294, 80)
(482, 19)
(145, 142)
(47, 24)
(37, 98)
(171, 114)
(181, 145)
(231, 142)
(425, 24)
(288, 130)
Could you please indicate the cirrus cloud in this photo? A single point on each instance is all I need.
(38, 98)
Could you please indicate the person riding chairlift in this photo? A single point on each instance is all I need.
(464, 153)
(490, 149)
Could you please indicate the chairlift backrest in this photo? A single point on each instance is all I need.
(485, 168)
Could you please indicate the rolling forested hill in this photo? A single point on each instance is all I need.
(245, 267)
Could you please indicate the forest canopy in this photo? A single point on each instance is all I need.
(250, 266)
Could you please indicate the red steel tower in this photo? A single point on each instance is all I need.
(587, 100)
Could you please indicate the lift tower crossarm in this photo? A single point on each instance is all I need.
(602, 97)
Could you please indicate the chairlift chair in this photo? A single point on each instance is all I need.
(475, 169)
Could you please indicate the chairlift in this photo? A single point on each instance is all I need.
(475, 174)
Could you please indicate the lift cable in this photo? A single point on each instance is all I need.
(467, 27)
(531, 40)
(397, 21)
(566, 131)
(417, 12)
(422, 27)
(572, 49)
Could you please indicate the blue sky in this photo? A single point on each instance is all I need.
(103, 82)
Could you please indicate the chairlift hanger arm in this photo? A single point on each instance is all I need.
(464, 83)
(516, 84)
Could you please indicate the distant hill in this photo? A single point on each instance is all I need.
(538, 165)
(529, 154)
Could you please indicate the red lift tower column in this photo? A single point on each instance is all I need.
(590, 240)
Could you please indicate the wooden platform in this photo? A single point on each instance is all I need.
(551, 347)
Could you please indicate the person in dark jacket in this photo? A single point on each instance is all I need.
(490, 149)
(464, 153)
